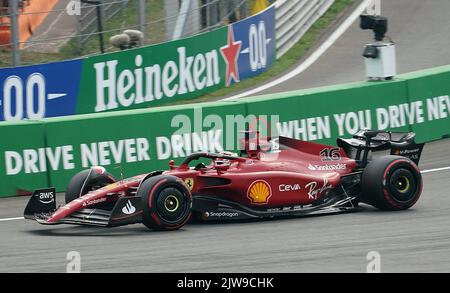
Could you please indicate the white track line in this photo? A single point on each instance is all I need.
(435, 170)
(313, 57)
(423, 172)
(11, 219)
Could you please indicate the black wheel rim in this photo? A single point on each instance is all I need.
(403, 185)
(172, 205)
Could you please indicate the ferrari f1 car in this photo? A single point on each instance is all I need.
(281, 177)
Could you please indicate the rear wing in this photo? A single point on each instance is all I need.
(366, 141)
(413, 151)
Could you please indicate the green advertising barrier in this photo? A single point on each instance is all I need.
(143, 77)
(50, 152)
(323, 114)
(137, 141)
(430, 89)
(23, 144)
(158, 74)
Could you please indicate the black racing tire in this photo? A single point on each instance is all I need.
(391, 183)
(79, 186)
(166, 202)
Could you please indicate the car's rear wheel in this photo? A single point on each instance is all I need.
(87, 180)
(166, 202)
(391, 183)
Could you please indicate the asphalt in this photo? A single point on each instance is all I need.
(54, 32)
(416, 240)
(420, 30)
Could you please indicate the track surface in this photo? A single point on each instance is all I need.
(420, 29)
(417, 240)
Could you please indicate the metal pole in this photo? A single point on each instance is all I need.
(79, 45)
(99, 22)
(213, 7)
(141, 12)
(243, 10)
(100, 29)
(208, 14)
(14, 26)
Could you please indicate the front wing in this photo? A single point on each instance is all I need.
(126, 210)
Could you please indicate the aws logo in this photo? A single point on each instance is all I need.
(259, 192)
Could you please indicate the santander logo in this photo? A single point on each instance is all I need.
(331, 167)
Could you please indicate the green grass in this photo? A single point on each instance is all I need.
(286, 61)
(126, 18)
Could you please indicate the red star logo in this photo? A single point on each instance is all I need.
(230, 53)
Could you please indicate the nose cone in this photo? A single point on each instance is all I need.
(66, 210)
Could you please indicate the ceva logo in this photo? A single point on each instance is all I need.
(289, 187)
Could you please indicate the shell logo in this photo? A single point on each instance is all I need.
(259, 192)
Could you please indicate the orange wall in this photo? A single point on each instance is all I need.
(29, 22)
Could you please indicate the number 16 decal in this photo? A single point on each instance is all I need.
(330, 154)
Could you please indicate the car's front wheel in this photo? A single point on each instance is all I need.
(166, 202)
(87, 180)
(391, 183)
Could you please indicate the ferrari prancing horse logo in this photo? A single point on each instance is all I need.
(259, 192)
(189, 182)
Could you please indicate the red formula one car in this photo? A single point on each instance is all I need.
(281, 177)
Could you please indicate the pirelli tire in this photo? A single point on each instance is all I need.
(166, 201)
(391, 183)
(87, 180)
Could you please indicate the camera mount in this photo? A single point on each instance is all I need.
(380, 55)
(378, 24)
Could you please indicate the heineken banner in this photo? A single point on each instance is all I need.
(35, 92)
(141, 78)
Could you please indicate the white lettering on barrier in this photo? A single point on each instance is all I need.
(125, 88)
(351, 122)
(15, 94)
(30, 161)
(35, 160)
(389, 117)
(306, 129)
(438, 108)
(179, 146)
(401, 115)
(182, 143)
(110, 152)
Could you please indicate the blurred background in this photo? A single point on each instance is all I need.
(39, 31)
